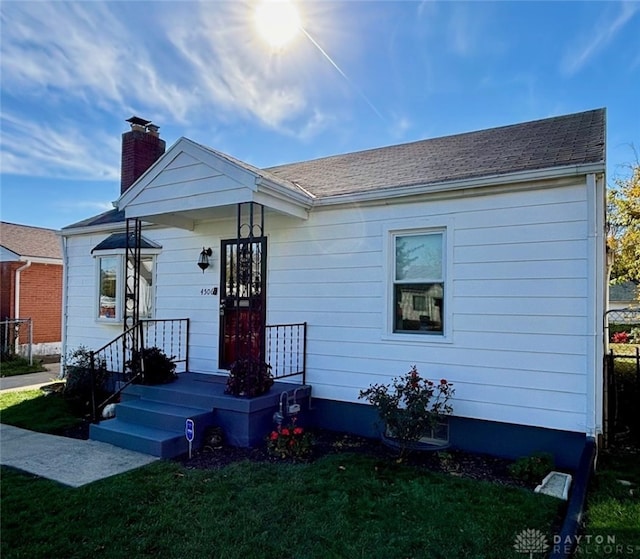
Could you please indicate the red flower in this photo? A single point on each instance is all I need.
(273, 436)
(285, 432)
(298, 431)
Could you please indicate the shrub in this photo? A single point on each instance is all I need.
(158, 367)
(410, 406)
(532, 468)
(78, 378)
(249, 377)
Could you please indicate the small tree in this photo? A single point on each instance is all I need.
(623, 208)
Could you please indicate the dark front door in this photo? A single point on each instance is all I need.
(242, 300)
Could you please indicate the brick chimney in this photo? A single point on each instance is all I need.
(141, 148)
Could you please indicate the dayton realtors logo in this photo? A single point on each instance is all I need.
(534, 543)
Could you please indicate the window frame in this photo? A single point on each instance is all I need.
(120, 283)
(425, 226)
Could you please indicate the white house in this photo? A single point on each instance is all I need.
(478, 257)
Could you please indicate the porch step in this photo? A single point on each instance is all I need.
(148, 440)
(152, 420)
(160, 415)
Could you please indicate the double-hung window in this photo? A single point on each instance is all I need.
(419, 282)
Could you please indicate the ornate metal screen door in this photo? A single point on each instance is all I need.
(242, 294)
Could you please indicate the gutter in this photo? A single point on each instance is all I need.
(576, 505)
(65, 279)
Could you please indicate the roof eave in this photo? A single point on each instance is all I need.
(463, 184)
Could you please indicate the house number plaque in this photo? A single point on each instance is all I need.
(209, 291)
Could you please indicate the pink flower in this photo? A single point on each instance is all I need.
(273, 436)
(285, 432)
(298, 431)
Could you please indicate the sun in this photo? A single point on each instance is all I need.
(277, 22)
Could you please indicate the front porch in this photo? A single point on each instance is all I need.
(151, 419)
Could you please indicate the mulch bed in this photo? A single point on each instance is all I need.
(452, 461)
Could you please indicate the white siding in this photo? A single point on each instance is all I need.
(518, 302)
(517, 292)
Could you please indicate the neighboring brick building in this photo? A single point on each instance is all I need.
(31, 282)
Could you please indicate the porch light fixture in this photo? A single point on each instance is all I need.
(203, 261)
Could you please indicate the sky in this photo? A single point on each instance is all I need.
(354, 76)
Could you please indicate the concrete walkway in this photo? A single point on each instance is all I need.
(31, 381)
(69, 461)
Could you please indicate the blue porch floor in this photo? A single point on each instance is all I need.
(151, 419)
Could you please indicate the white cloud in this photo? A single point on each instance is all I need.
(29, 148)
(591, 43)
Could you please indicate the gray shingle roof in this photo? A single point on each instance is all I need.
(112, 216)
(552, 142)
(575, 139)
(28, 241)
(624, 292)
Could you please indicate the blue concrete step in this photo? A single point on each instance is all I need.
(148, 440)
(151, 419)
(179, 393)
(161, 415)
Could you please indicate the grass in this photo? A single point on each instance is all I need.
(33, 410)
(613, 508)
(340, 506)
(19, 366)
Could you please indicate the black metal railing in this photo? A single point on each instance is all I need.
(286, 350)
(110, 365)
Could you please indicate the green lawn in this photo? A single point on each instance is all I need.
(19, 366)
(32, 409)
(613, 508)
(341, 506)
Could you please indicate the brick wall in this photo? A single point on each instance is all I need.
(40, 298)
(7, 293)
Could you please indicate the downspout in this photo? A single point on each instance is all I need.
(65, 279)
(595, 310)
(16, 302)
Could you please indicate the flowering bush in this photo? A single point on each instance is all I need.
(411, 406)
(620, 338)
(289, 442)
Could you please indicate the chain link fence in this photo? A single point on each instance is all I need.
(16, 339)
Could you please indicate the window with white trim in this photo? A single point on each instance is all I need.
(111, 287)
(419, 282)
